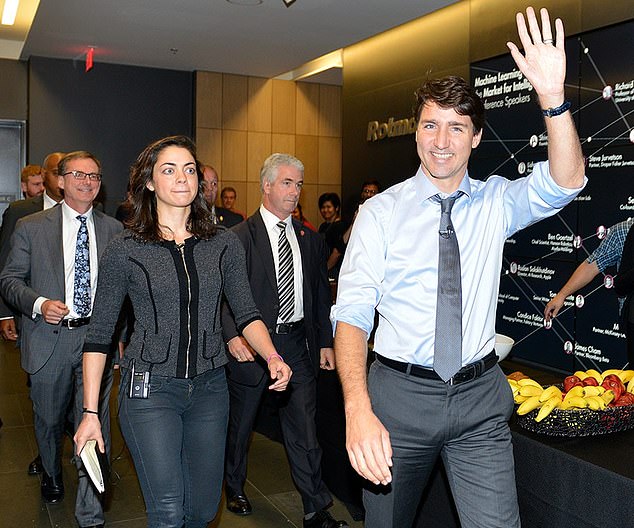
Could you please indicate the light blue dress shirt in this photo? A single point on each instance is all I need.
(391, 261)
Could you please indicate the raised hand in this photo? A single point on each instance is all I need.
(544, 60)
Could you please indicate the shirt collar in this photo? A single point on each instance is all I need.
(425, 189)
(270, 220)
(70, 214)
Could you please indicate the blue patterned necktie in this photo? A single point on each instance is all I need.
(81, 296)
(285, 279)
(448, 341)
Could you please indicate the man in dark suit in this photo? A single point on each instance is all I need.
(52, 196)
(286, 264)
(222, 216)
(50, 277)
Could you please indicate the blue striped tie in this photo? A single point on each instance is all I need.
(285, 277)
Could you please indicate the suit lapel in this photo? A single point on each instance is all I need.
(263, 247)
(101, 233)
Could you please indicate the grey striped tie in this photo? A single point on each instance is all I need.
(448, 341)
(285, 282)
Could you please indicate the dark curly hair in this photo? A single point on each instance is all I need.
(451, 92)
(143, 220)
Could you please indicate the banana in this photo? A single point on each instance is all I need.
(607, 396)
(547, 408)
(551, 392)
(530, 404)
(596, 403)
(612, 371)
(519, 399)
(630, 386)
(626, 375)
(575, 392)
(529, 381)
(578, 401)
(592, 391)
(594, 373)
(564, 405)
(531, 390)
(580, 374)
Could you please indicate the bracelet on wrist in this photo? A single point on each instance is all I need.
(274, 355)
(552, 112)
(85, 410)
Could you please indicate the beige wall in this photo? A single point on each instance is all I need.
(241, 120)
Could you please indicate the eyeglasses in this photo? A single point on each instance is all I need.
(81, 175)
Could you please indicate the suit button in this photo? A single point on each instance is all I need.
(56, 331)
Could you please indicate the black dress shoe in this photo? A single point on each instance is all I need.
(239, 504)
(52, 488)
(35, 467)
(94, 526)
(323, 519)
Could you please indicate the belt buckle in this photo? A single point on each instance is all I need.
(467, 373)
(282, 328)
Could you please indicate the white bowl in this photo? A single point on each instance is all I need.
(503, 345)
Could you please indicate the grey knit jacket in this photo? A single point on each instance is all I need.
(176, 296)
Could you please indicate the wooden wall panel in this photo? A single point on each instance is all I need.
(329, 110)
(241, 194)
(234, 102)
(329, 160)
(307, 118)
(209, 99)
(254, 197)
(284, 143)
(307, 150)
(283, 107)
(234, 155)
(259, 109)
(209, 147)
(258, 149)
(308, 199)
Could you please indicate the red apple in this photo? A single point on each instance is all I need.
(590, 381)
(570, 382)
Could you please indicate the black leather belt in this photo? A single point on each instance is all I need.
(470, 372)
(287, 328)
(75, 323)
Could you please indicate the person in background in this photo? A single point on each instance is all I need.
(624, 287)
(607, 254)
(52, 195)
(298, 215)
(426, 254)
(333, 229)
(369, 189)
(176, 267)
(221, 216)
(228, 197)
(286, 265)
(50, 276)
(31, 181)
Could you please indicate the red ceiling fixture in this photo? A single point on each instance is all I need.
(89, 59)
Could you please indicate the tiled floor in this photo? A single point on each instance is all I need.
(274, 499)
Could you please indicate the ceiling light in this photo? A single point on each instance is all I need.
(9, 12)
(288, 3)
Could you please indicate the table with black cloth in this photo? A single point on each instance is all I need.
(584, 482)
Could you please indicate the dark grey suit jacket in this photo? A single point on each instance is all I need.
(261, 270)
(34, 268)
(11, 215)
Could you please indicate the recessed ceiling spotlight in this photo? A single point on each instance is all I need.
(245, 2)
(288, 3)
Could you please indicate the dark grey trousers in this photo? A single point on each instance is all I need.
(466, 425)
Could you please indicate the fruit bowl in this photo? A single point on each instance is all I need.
(503, 345)
(580, 422)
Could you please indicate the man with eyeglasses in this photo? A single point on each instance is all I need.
(50, 277)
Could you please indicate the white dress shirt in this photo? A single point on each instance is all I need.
(270, 222)
(70, 228)
(391, 261)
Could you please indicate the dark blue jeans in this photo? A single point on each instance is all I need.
(177, 441)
